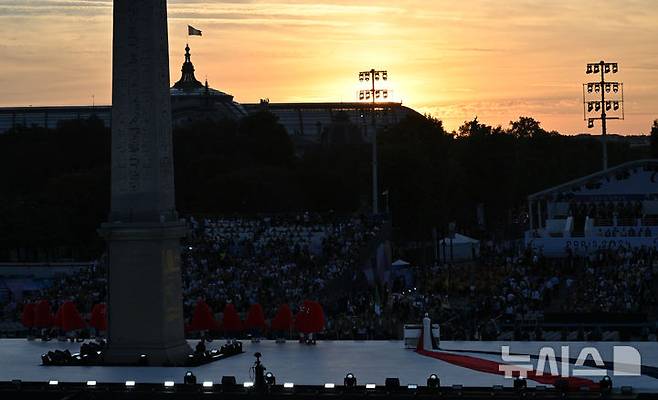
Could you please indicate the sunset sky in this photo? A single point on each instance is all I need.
(454, 59)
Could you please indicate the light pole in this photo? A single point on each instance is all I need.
(613, 104)
(373, 94)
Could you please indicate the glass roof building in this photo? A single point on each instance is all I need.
(192, 101)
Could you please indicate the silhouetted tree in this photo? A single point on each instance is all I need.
(654, 139)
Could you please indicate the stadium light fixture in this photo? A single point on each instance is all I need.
(603, 105)
(374, 94)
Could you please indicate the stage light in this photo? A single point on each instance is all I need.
(91, 383)
(615, 87)
(597, 88)
(270, 379)
(590, 123)
(329, 385)
(384, 75)
(228, 381)
(561, 385)
(169, 384)
(596, 69)
(130, 384)
(590, 88)
(589, 68)
(605, 384)
(207, 384)
(189, 378)
(45, 359)
(392, 383)
(248, 384)
(607, 68)
(370, 386)
(520, 384)
(53, 383)
(412, 386)
(616, 105)
(288, 385)
(350, 380)
(143, 360)
(608, 87)
(590, 106)
(615, 68)
(608, 105)
(597, 106)
(433, 381)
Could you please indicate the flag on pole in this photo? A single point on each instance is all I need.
(191, 31)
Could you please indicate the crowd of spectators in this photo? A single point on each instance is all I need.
(621, 281)
(606, 210)
(272, 260)
(287, 259)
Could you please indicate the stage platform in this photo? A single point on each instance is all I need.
(326, 362)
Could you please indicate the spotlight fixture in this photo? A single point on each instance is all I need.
(370, 386)
(520, 384)
(412, 386)
(605, 384)
(91, 383)
(229, 380)
(288, 385)
(433, 381)
(270, 379)
(53, 383)
(189, 378)
(143, 360)
(392, 383)
(248, 384)
(169, 384)
(329, 385)
(130, 384)
(207, 384)
(350, 380)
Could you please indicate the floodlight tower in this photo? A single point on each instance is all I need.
(374, 94)
(613, 104)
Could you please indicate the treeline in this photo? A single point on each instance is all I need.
(54, 184)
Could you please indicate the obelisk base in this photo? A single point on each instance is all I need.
(145, 305)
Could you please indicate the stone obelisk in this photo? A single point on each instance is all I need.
(143, 232)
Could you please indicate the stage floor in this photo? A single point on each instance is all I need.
(328, 361)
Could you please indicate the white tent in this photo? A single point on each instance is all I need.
(400, 263)
(463, 248)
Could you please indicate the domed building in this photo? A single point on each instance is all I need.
(192, 100)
